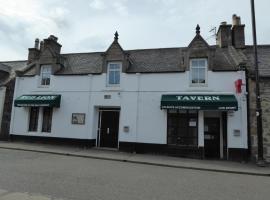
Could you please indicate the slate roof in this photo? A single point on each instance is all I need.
(82, 63)
(10, 67)
(156, 61)
(263, 59)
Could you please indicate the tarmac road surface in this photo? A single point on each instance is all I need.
(39, 176)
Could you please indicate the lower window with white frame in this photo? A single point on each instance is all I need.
(33, 119)
(47, 113)
(47, 119)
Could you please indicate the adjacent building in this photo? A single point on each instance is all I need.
(7, 83)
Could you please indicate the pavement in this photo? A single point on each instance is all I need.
(144, 159)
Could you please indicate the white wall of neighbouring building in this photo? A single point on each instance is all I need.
(138, 97)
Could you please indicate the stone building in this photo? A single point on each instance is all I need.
(264, 66)
(7, 84)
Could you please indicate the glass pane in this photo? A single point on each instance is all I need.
(111, 77)
(194, 74)
(183, 128)
(114, 66)
(117, 77)
(33, 121)
(201, 63)
(47, 119)
(114, 77)
(194, 63)
(201, 75)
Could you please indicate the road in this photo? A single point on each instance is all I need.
(39, 176)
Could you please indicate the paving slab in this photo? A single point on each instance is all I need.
(159, 160)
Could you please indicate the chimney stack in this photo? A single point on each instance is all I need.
(238, 32)
(33, 53)
(51, 42)
(234, 34)
(224, 38)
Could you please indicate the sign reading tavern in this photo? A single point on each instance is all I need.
(198, 98)
(199, 102)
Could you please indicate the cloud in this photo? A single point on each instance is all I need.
(117, 6)
(97, 5)
(89, 25)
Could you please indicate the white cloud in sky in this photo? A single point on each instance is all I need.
(89, 25)
(97, 4)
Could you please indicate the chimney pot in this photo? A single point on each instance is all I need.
(236, 20)
(36, 43)
(41, 46)
(52, 37)
(223, 23)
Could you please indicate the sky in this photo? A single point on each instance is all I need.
(89, 25)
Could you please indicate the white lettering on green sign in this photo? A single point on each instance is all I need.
(197, 98)
(49, 97)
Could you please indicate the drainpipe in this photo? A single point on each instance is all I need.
(260, 159)
(248, 112)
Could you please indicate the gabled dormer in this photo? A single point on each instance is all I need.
(50, 51)
(47, 52)
(198, 49)
(115, 54)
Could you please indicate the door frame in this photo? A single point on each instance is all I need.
(106, 109)
(220, 134)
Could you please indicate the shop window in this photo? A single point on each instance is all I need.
(47, 119)
(182, 127)
(113, 73)
(45, 74)
(198, 71)
(33, 119)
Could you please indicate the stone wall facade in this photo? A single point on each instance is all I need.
(265, 103)
(5, 125)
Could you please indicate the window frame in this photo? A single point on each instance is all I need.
(108, 74)
(47, 128)
(198, 67)
(42, 73)
(186, 117)
(34, 127)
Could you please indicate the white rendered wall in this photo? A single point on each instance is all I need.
(138, 97)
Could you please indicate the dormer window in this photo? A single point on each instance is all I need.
(45, 74)
(198, 71)
(113, 73)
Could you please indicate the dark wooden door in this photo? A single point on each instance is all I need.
(212, 137)
(109, 126)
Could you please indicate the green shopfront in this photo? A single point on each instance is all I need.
(197, 123)
(40, 108)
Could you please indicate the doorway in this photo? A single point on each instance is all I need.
(108, 127)
(212, 138)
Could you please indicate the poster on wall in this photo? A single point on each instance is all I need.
(78, 118)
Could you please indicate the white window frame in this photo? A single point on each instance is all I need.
(43, 72)
(205, 71)
(108, 73)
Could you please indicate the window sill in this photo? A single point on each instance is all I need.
(112, 88)
(198, 85)
(43, 86)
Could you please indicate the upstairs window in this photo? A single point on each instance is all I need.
(45, 74)
(198, 70)
(113, 74)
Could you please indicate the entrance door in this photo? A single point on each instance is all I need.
(212, 137)
(108, 128)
